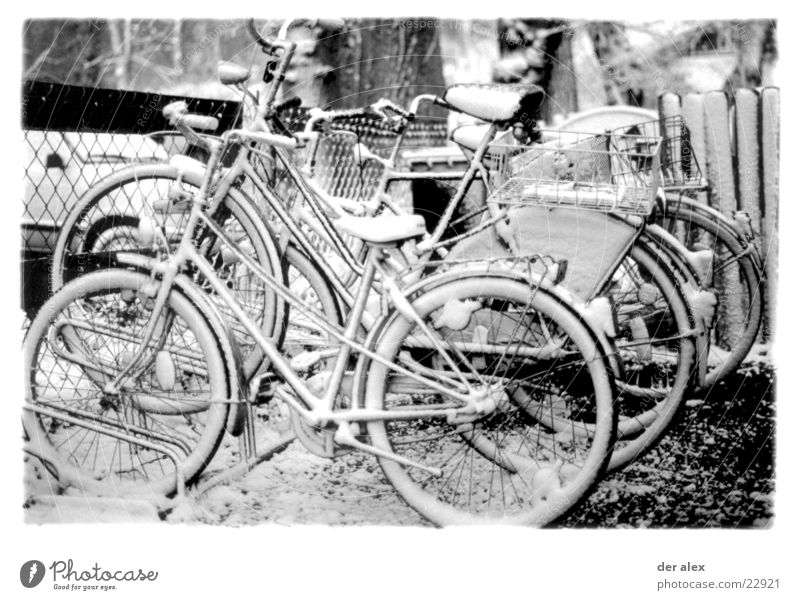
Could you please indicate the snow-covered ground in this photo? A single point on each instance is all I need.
(714, 469)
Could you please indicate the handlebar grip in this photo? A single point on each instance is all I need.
(293, 102)
(175, 109)
(200, 122)
(271, 139)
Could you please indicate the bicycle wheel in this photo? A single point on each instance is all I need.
(78, 344)
(304, 334)
(657, 345)
(736, 275)
(504, 466)
(106, 219)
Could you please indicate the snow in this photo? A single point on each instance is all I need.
(296, 487)
(598, 312)
(702, 302)
(702, 262)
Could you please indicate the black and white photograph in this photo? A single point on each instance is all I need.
(430, 278)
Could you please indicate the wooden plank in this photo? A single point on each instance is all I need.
(747, 149)
(669, 106)
(722, 196)
(748, 193)
(719, 158)
(769, 118)
(692, 110)
(57, 107)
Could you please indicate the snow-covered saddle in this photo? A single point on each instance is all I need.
(469, 137)
(383, 229)
(496, 103)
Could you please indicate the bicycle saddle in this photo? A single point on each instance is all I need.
(496, 103)
(469, 137)
(383, 230)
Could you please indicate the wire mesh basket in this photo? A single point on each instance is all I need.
(337, 165)
(339, 168)
(608, 172)
(680, 168)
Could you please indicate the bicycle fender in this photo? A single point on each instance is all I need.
(228, 345)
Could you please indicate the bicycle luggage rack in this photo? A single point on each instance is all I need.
(680, 168)
(534, 266)
(609, 172)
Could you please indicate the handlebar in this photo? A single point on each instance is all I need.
(250, 25)
(200, 122)
(378, 111)
(263, 137)
(178, 116)
(383, 105)
(269, 44)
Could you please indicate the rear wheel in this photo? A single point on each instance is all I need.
(657, 347)
(735, 275)
(518, 347)
(305, 333)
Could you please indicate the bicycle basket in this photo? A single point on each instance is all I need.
(339, 169)
(607, 172)
(334, 163)
(680, 168)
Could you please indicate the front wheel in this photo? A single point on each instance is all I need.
(519, 346)
(106, 219)
(79, 342)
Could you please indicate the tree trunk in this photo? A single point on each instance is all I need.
(120, 34)
(177, 49)
(381, 58)
(562, 93)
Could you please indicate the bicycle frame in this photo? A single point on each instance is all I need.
(315, 197)
(462, 397)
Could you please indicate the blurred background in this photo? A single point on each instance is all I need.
(581, 64)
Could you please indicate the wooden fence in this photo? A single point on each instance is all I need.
(736, 140)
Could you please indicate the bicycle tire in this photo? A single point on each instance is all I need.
(304, 335)
(117, 200)
(508, 461)
(646, 408)
(736, 274)
(79, 341)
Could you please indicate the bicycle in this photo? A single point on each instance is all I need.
(738, 267)
(690, 233)
(464, 336)
(658, 272)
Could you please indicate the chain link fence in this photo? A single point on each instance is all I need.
(74, 137)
